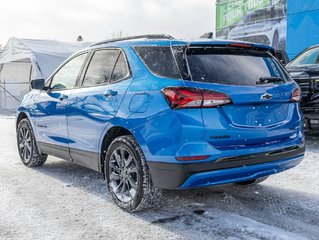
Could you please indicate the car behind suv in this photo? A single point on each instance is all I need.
(152, 113)
(304, 69)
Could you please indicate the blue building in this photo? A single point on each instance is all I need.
(302, 25)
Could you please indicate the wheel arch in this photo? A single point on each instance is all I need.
(20, 116)
(109, 136)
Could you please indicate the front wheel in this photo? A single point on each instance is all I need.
(27, 145)
(253, 181)
(127, 175)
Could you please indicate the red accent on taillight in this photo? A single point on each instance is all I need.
(296, 95)
(183, 97)
(241, 45)
(194, 158)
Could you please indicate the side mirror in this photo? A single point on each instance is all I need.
(37, 84)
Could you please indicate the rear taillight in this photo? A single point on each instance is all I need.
(183, 97)
(296, 95)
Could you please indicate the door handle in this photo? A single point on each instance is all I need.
(62, 97)
(110, 93)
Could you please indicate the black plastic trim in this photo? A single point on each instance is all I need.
(173, 175)
(55, 150)
(83, 158)
(86, 159)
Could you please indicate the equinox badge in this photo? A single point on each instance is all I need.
(266, 96)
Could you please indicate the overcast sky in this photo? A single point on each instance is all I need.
(97, 19)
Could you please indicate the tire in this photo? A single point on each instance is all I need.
(127, 175)
(253, 181)
(27, 145)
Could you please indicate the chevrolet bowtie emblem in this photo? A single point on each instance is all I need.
(266, 96)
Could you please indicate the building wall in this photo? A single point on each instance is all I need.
(302, 25)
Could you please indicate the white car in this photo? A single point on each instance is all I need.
(266, 26)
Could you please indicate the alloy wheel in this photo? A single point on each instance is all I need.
(123, 174)
(25, 143)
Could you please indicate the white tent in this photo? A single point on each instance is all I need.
(23, 60)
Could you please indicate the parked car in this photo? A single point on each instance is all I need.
(156, 113)
(304, 69)
(266, 26)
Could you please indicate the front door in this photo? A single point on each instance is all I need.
(51, 107)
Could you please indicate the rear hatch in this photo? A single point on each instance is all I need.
(246, 98)
(261, 109)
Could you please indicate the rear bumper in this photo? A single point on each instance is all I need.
(224, 170)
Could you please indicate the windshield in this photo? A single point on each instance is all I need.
(309, 57)
(232, 67)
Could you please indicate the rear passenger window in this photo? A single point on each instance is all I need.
(101, 67)
(159, 60)
(121, 69)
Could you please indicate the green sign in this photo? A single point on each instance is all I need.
(229, 12)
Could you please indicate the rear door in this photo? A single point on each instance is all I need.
(260, 90)
(93, 105)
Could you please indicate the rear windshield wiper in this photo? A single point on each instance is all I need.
(265, 80)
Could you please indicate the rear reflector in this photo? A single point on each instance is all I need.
(183, 97)
(296, 95)
(194, 158)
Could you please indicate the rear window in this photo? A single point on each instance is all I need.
(231, 67)
(211, 65)
(159, 60)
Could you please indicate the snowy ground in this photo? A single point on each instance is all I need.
(64, 201)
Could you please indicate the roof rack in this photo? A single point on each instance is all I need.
(147, 36)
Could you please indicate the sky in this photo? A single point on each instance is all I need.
(97, 20)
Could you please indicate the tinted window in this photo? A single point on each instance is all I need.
(179, 53)
(232, 67)
(309, 57)
(66, 77)
(159, 60)
(121, 69)
(101, 67)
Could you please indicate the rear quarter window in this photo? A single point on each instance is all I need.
(159, 60)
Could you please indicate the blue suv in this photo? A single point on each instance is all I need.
(151, 113)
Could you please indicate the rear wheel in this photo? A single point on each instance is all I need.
(27, 146)
(253, 181)
(127, 175)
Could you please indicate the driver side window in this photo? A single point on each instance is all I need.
(66, 77)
